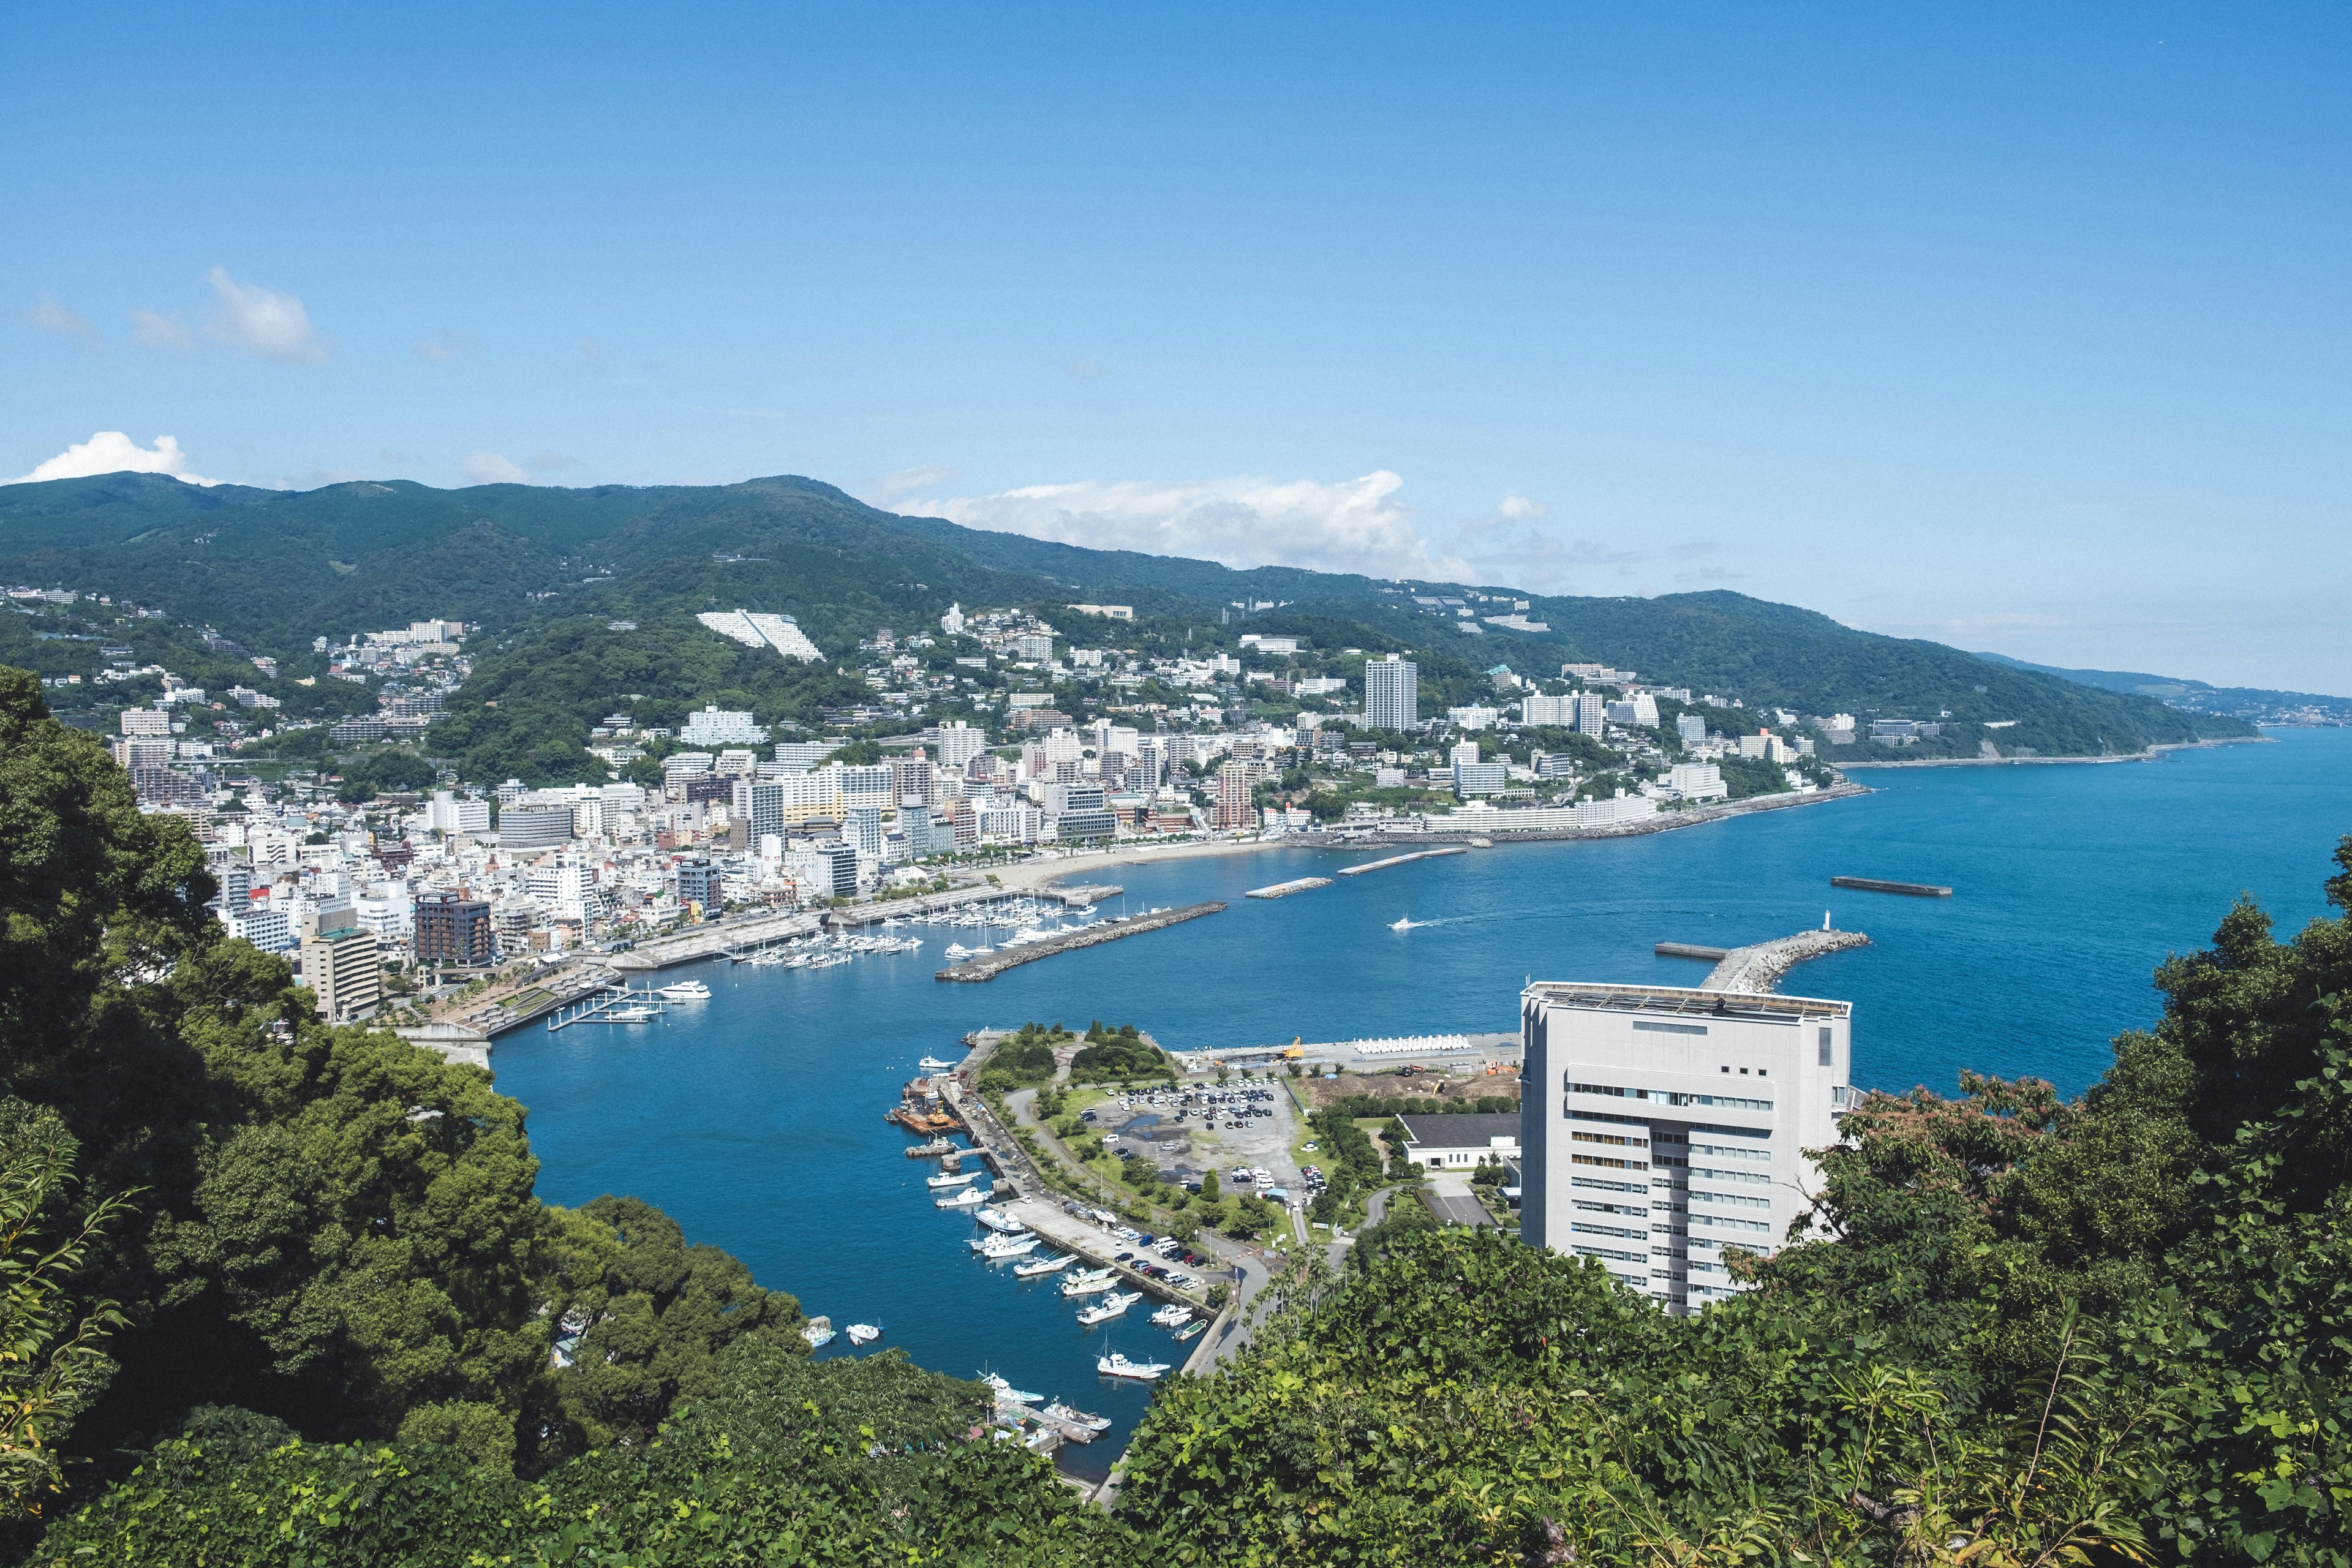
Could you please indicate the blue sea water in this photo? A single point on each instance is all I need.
(755, 1118)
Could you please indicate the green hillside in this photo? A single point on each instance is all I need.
(544, 571)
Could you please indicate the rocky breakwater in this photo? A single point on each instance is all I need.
(1760, 967)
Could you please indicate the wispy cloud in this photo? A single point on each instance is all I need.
(1519, 544)
(446, 347)
(113, 452)
(1351, 525)
(548, 462)
(263, 321)
(52, 317)
(161, 331)
(489, 469)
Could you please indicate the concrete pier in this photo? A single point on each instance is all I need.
(1401, 859)
(997, 963)
(1874, 885)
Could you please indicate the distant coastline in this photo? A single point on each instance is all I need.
(2154, 754)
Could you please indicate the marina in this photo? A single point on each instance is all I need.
(985, 964)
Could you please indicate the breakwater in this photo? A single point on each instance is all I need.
(1760, 967)
(997, 963)
(1284, 889)
(1401, 859)
(1873, 885)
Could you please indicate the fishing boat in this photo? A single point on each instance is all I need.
(998, 1220)
(1006, 1394)
(933, 1064)
(1114, 1305)
(1088, 1283)
(686, 991)
(969, 1198)
(1061, 1413)
(1191, 1331)
(1117, 1365)
(932, 1150)
(865, 1333)
(952, 1179)
(1174, 1315)
(1037, 1266)
(818, 1332)
(995, 1247)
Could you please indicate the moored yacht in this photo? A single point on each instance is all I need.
(969, 1198)
(686, 991)
(863, 1334)
(1034, 1267)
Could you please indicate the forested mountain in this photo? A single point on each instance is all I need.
(2255, 704)
(543, 569)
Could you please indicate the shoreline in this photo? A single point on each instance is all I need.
(1030, 875)
(2155, 754)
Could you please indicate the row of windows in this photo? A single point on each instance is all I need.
(1611, 1186)
(1603, 1160)
(1609, 1138)
(1725, 1151)
(1592, 1207)
(1620, 1257)
(1667, 1096)
(1735, 1200)
(1584, 1230)
(1754, 1178)
(1722, 1222)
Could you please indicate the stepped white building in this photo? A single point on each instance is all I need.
(757, 628)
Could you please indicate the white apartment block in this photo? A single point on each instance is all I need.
(1661, 1124)
(717, 726)
(1698, 781)
(754, 629)
(1392, 693)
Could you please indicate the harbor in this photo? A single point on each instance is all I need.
(988, 964)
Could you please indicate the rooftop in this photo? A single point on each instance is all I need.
(1460, 1128)
(1681, 999)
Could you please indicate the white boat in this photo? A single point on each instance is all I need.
(953, 1179)
(1006, 1394)
(1174, 1315)
(1089, 1283)
(1064, 1415)
(998, 1220)
(995, 1247)
(1037, 1266)
(969, 1198)
(933, 1064)
(1118, 1365)
(632, 1015)
(1114, 1305)
(818, 1332)
(1407, 923)
(863, 1334)
(686, 991)
(957, 949)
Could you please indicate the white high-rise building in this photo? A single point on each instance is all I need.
(1559, 711)
(952, 622)
(1392, 693)
(715, 726)
(1662, 1124)
(959, 742)
(1591, 712)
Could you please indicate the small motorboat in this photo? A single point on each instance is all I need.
(933, 1064)
(952, 1179)
(1174, 1315)
(686, 991)
(1191, 1331)
(632, 1015)
(969, 1198)
(1006, 1394)
(1034, 1267)
(1062, 1413)
(1407, 923)
(865, 1333)
(818, 1332)
(1117, 1365)
(998, 1220)
(997, 1247)
(1114, 1305)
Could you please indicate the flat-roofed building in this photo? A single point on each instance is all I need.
(1460, 1140)
(341, 970)
(1662, 1124)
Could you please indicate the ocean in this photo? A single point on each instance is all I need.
(755, 1118)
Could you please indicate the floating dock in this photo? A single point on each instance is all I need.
(1873, 885)
(1401, 859)
(614, 1004)
(997, 963)
(1284, 889)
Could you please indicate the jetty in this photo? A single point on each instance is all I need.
(1002, 959)
(1284, 889)
(1873, 885)
(1759, 968)
(1691, 949)
(1401, 859)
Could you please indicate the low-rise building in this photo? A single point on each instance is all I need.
(1454, 1140)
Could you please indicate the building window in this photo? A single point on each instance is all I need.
(1825, 1046)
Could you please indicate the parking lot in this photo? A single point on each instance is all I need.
(1246, 1122)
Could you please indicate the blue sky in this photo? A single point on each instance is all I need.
(2021, 327)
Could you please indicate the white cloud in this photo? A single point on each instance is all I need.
(263, 321)
(52, 317)
(489, 469)
(113, 452)
(160, 331)
(891, 489)
(1354, 525)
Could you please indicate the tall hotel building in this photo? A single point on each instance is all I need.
(1392, 693)
(1662, 1124)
